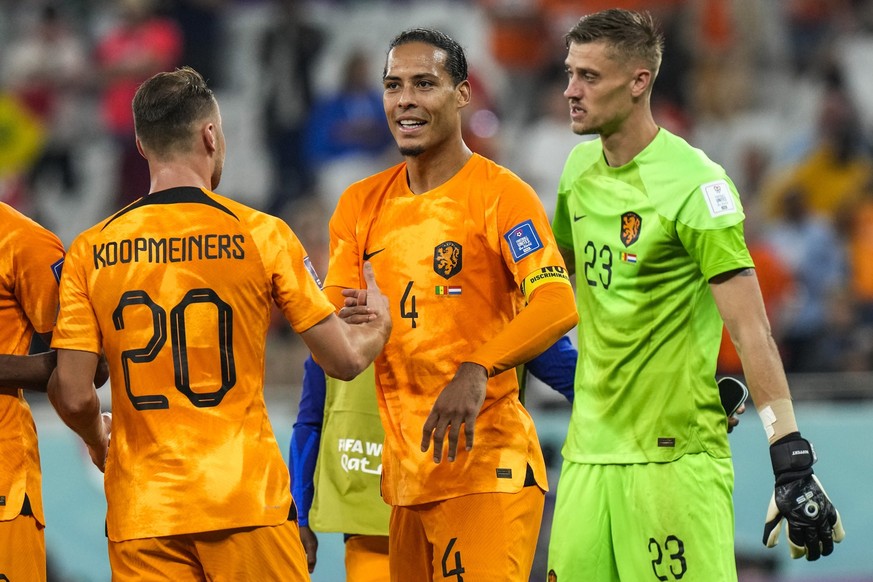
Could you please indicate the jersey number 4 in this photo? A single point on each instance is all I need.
(409, 300)
(179, 342)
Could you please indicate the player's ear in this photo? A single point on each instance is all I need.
(641, 82)
(209, 134)
(139, 149)
(464, 92)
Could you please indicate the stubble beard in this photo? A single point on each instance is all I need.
(411, 151)
(580, 129)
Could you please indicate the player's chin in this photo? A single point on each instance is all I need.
(582, 128)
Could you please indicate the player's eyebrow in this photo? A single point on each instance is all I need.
(416, 77)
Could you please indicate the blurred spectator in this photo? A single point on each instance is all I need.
(838, 164)
(859, 228)
(287, 54)
(521, 44)
(808, 245)
(201, 24)
(347, 127)
(722, 41)
(541, 147)
(141, 44)
(44, 68)
(853, 331)
(480, 121)
(776, 285)
(811, 25)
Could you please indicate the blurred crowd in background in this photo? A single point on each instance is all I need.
(776, 91)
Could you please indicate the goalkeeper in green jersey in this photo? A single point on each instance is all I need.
(654, 232)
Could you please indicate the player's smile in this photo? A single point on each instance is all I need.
(410, 125)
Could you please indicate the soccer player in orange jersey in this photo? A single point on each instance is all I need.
(460, 244)
(30, 266)
(177, 290)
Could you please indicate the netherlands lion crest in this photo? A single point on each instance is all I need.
(630, 228)
(447, 259)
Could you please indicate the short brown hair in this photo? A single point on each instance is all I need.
(630, 35)
(166, 106)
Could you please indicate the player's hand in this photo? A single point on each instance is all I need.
(734, 420)
(459, 403)
(100, 449)
(310, 546)
(814, 523)
(733, 394)
(366, 305)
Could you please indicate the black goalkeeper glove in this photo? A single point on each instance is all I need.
(813, 521)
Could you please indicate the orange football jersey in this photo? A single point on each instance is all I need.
(177, 289)
(452, 262)
(30, 266)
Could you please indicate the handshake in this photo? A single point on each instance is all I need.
(813, 522)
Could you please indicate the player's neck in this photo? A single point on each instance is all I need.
(432, 169)
(634, 136)
(176, 174)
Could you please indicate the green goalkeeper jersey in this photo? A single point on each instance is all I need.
(648, 236)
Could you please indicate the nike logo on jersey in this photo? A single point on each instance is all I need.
(368, 256)
(577, 218)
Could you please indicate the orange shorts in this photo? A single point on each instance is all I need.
(367, 559)
(252, 553)
(487, 537)
(22, 549)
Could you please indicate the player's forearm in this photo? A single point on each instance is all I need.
(78, 406)
(370, 339)
(29, 372)
(768, 385)
(741, 306)
(345, 350)
(550, 314)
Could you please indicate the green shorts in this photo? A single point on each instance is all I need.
(648, 521)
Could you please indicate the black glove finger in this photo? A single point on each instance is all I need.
(811, 541)
(826, 535)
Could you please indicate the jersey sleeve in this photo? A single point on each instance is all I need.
(77, 327)
(528, 245)
(296, 285)
(561, 226)
(38, 266)
(344, 252)
(306, 438)
(710, 226)
(556, 367)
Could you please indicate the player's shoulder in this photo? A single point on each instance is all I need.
(584, 155)
(237, 209)
(22, 233)
(683, 183)
(685, 159)
(14, 219)
(365, 194)
(500, 180)
(378, 181)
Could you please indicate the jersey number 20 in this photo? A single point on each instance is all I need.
(179, 343)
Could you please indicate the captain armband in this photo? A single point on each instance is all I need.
(541, 277)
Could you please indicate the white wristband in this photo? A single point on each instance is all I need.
(778, 419)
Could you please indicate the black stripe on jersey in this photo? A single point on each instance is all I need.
(173, 196)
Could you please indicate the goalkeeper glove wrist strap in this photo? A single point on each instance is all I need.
(792, 458)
